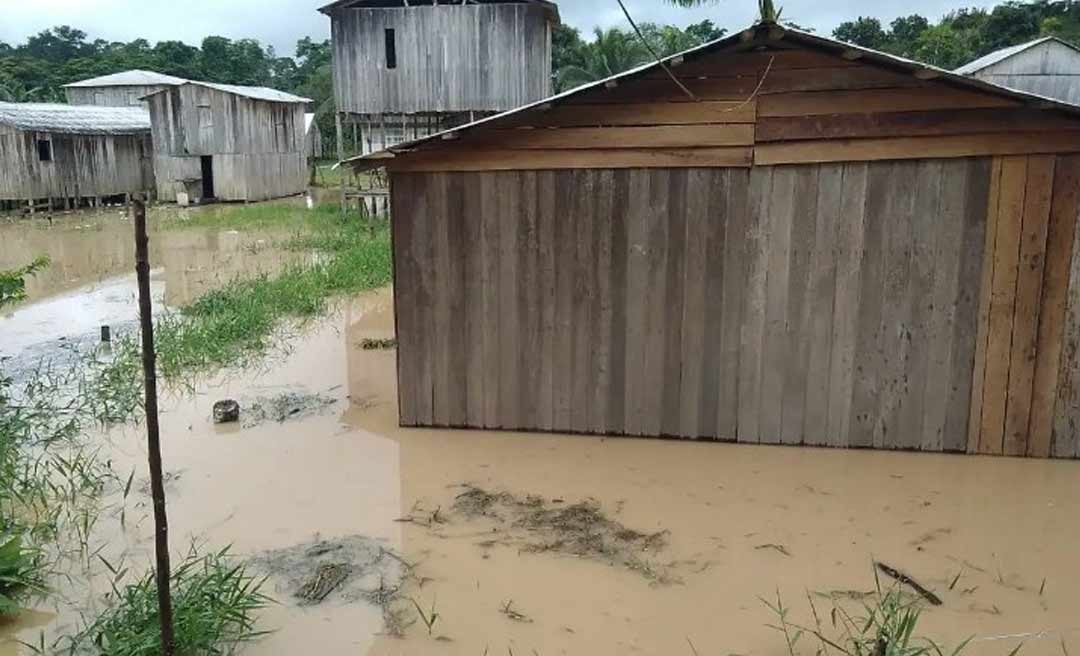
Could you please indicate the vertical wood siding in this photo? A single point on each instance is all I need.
(446, 58)
(831, 304)
(81, 166)
(111, 96)
(258, 147)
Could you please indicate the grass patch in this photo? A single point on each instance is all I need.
(236, 324)
(214, 607)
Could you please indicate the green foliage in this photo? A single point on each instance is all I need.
(214, 607)
(615, 50)
(13, 283)
(966, 34)
(886, 625)
(20, 573)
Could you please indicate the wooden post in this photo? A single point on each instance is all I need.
(153, 439)
(341, 158)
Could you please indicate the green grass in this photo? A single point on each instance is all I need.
(214, 605)
(236, 324)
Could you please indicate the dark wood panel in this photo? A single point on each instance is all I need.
(910, 124)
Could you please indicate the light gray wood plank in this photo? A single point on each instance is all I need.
(528, 301)
(546, 265)
(776, 348)
(600, 324)
(798, 333)
(618, 388)
(752, 333)
(565, 254)
(472, 222)
(693, 349)
(820, 301)
(674, 305)
(489, 249)
(582, 369)
(637, 262)
(734, 219)
(402, 187)
(656, 318)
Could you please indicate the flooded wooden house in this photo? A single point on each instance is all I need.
(806, 243)
(404, 69)
(62, 156)
(227, 142)
(124, 89)
(1047, 67)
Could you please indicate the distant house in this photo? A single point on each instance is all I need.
(405, 69)
(227, 142)
(1047, 67)
(313, 137)
(119, 89)
(806, 243)
(64, 155)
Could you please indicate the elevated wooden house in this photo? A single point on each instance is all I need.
(227, 142)
(125, 89)
(63, 155)
(820, 244)
(406, 69)
(1047, 67)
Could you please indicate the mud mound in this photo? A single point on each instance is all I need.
(536, 525)
(283, 407)
(350, 569)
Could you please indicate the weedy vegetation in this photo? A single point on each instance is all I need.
(885, 624)
(214, 605)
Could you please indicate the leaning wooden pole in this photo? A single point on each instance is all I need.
(153, 437)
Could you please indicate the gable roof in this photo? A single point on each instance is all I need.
(551, 7)
(998, 56)
(256, 93)
(75, 119)
(132, 78)
(761, 34)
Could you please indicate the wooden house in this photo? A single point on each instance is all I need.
(227, 142)
(1047, 67)
(125, 89)
(313, 138)
(408, 68)
(811, 244)
(63, 155)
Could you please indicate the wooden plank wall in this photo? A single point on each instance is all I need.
(1019, 372)
(111, 96)
(763, 108)
(446, 58)
(82, 166)
(830, 304)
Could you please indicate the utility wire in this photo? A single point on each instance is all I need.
(655, 55)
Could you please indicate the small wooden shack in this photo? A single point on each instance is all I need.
(312, 138)
(227, 142)
(1048, 67)
(56, 156)
(404, 69)
(813, 244)
(125, 89)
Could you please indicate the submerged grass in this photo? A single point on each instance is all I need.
(231, 326)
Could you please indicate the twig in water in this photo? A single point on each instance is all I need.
(692, 647)
(910, 582)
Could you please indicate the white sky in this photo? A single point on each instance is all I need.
(282, 22)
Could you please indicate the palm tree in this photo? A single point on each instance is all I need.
(769, 12)
(612, 52)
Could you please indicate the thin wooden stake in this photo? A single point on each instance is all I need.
(153, 438)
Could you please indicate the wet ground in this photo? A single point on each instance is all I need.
(552, 544)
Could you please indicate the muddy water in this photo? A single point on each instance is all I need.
(741, 522)
(90, 281)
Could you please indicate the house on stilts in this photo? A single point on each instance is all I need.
(56, 156)
(813, 244)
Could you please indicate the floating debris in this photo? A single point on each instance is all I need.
(327, 578)
(374, 344)
(226, 411)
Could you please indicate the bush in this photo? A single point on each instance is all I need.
(20, 573)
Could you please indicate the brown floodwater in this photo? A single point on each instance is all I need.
(740, 523)
(90, 281)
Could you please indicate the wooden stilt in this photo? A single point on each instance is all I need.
(341, 158)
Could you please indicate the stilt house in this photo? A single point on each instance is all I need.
(124, 89)
(227, 142)
(406, 69)
(56, 156)
(813, 244)
(1047, 67)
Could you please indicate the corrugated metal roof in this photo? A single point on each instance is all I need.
(1001, 55)
(75, 119)
(764, 34)
(257, 93)
(132, 78)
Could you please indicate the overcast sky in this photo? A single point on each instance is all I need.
(282, 22)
